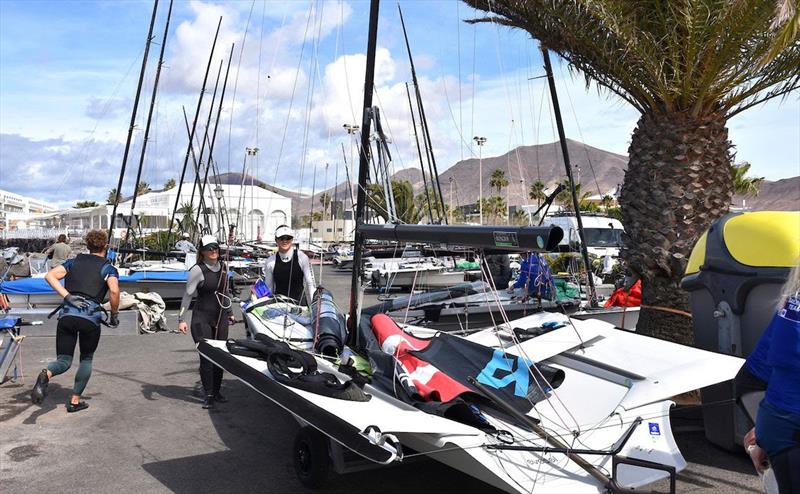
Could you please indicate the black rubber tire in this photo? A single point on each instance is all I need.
(310, 457)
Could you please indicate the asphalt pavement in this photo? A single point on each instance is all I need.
(145, 431)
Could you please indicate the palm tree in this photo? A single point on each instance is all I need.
(743, 185)
(498, 180)
(169, 184)
(403, 193)
(687, 67)
(564, 198)
(143, 188)
(113, 197)
(85, 204)
(607, 201)
(536, 192)
(187, 223)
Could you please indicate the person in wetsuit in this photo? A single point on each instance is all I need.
(211, 314)
(289, 271)
(87, 280)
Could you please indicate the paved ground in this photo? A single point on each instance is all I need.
(146, 432)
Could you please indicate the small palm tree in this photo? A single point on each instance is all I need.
(743, 185)
(498, 180)
(607, 201)
(187, 223)
(536, 192)
(169, 184)
(143, 188)
(113, 197)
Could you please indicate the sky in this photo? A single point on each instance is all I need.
(69, 72)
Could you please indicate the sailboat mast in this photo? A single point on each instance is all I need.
(133, 123)
(213, 139)
(191, 137)
(426, 135)
(419, 152)
(150, 112)
(563, 140)
(363, 170)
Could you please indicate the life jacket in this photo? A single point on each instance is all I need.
(288, 277)
(207, 300)
(85, 278)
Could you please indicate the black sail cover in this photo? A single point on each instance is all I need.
(520, 382)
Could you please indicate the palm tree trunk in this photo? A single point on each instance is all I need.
(678, 181)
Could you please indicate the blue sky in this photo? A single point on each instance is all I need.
(68, 73)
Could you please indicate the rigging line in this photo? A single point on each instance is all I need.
(266, 89)
(472, 102)
(310, 96)
(580, 133)
(468, 140)
(344, 65)
(460, 98)
(520, 349)
(236, 82)
(83, 152)
(292, 96)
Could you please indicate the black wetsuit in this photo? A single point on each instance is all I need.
(210, 320)
(288, 278)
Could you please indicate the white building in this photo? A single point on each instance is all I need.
(15, 208)
(255, 211)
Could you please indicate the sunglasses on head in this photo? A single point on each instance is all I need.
(285, 238)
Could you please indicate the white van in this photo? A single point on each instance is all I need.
(603, 234)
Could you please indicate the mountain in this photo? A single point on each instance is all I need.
(599, 172)
(782, 195)
(596, 170)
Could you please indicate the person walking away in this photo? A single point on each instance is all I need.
(288, 272)
(58, 253)
(775, 440)
(208, 279)
(88, 278)
(185, 245)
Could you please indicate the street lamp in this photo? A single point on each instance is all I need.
(480, 141)
(452, 205)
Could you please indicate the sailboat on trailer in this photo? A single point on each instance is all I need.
(552, 404)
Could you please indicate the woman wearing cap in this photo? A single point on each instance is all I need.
(289, 271)
(211, 315)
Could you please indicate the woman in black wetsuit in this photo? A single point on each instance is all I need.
(211, 314)
(87, 280)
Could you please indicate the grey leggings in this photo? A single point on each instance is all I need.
(74, 331)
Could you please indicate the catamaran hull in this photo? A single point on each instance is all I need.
(422, 279)
(170, 291)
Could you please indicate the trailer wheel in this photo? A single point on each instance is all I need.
(310, 456)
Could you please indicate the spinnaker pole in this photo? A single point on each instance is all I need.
(563, 140)
(132, 124)
(363, 170)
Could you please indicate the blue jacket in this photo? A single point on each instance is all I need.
(535, 273)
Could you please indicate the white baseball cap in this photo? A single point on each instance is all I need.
(209, 242)
(284, 231)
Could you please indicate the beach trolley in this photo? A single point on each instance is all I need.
(734, 277)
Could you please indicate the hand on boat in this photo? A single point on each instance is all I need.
(183, 327)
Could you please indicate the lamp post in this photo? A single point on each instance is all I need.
(452, 205)
(250, 152)
(480, 141)
(351, 131)
(218, 193)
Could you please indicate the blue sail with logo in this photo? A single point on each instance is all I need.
(520, 382)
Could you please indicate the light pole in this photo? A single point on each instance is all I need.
(452, 205)
(250, 152)
(218, 193)
(351, 131)
(480, 141)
